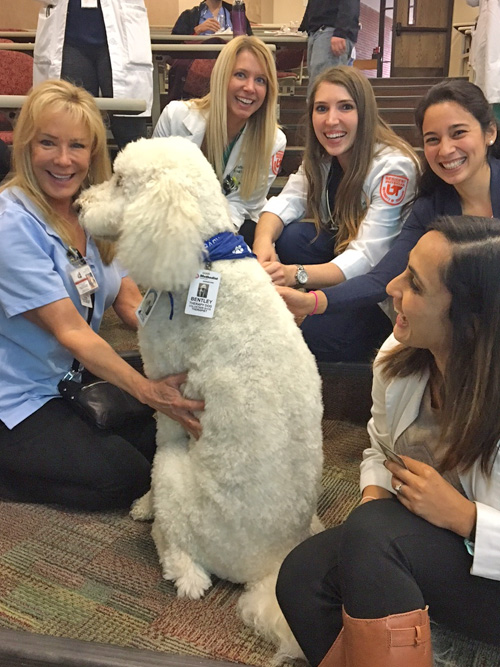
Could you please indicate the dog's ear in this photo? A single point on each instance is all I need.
(162, 240)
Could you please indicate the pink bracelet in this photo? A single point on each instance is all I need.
(316, 304)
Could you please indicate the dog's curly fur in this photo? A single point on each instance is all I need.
(236, 501)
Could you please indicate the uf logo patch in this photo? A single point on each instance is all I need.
(393, 189)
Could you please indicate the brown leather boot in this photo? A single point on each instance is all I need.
(401, 640)
(336, 655)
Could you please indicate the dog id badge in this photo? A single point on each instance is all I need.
(147, 305)
(202, 295)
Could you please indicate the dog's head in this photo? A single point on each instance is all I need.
(162, 203)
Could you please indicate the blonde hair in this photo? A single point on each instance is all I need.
(261, 127)
(52, 97)
(349, 209)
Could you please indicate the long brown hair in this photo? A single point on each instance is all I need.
(349, 209)
(470, 425)
(53, 96)
(260, 135)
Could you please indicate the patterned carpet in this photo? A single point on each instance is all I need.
(96, 577)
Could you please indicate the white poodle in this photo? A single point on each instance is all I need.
(236, 501)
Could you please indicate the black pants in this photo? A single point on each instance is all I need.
(383, 560)
(90, 68)
(350, 336)
(54, 456)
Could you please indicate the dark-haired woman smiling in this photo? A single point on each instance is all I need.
(425, 539)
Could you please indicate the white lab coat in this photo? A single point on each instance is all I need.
(396, 404)
(383, 220)
(129, 43)
(485, 48)
(181, 119)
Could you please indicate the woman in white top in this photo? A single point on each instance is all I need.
(105, 47)
(485, 51)
(356, 180)
(425, 539)
(236, 127)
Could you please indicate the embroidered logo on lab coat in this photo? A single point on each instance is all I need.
(393, 189)
(276, 162)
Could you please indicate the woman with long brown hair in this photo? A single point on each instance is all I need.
(356, 180)
(424, 540)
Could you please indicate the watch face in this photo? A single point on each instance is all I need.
(302, 276)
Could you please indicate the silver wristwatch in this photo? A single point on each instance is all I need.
(301, 276)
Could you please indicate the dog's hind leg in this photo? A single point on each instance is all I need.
(259, 610)
(142, 508)
(190, 579)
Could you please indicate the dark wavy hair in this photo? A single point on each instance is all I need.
(470, 426)
(471, 98)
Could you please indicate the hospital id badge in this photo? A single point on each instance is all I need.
(202, 295)
(147, 305)
(84, 280)
(88, 4)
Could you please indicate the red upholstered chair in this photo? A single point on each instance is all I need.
(16, 78)
(288, 60)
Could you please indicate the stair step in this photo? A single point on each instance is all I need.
(397, 116)
(397, 101)
(291, 160)
(407, 80)
(417, 90)
(278, 185)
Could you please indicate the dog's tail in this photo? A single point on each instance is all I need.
(260, 610)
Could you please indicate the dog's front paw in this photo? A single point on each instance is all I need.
(193, 584)
(142, 508)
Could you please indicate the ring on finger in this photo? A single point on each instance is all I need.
(398, 487)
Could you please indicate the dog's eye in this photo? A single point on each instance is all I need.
(118, 181)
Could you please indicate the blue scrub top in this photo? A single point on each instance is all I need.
(35, 271)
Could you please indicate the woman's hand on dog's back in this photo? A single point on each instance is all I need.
(165, 396)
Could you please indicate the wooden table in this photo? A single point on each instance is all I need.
(125, 106)
(18, 35)
(24, 47)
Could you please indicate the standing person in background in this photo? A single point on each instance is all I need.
(236, 127)
(485, 51)
(103, 46)
(332, 27)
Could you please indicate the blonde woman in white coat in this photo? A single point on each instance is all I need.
(104, 47)
(425, 540)
(485, 51)
(236, 127)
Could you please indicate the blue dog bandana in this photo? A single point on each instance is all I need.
(226, 245)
